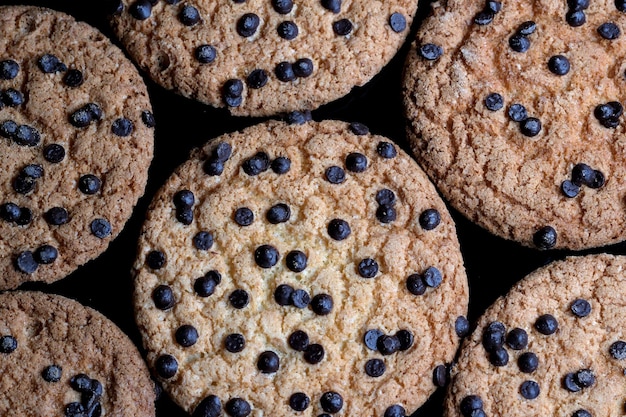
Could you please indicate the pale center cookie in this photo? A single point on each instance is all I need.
(300, 270)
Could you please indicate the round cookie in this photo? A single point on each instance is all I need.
(59, 358)
(300, 270)
(514, 111)
(76, 138)
(554, 345)
(262, 57)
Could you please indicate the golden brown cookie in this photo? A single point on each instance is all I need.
(300, 270)
(59, 358)
(514, 111)
(76, 137)
(554, 345)
(263, 57)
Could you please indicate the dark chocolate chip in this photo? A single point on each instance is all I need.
(356, 162)
(155, 259)
(406, 339)
(484, 17)
(322, 304)
(331, 402)
(358, 129)
(205, 54)
(141, 9)
(494, 6)
(8, 344)
(122, 127)
(375, 367)
(546, 324)
(303, 67)
(314, 353)
(494, 102)
(248, 24)
(46, 254)
(54, 153)
(163, 297)
(530, 127)
(559, 65)
(517, 112)
(287, 30)
(493, 336)
(570, 384)
(9, 69)
(335, 175)
(386, 196)
(80, 383)
(395, 410)
(581, 413)
(527, 28)
(429, 219)
(545, 238)
(239, 299)
(189, 15)
(440, 376)
(26, 216)
(51, 64)
(386, 150)
(234, 342)
(519, 43)
(298, 340)
(203, 240)
(298, 117)
(430, 51)
(582, 174)
(257, 78)
(296, 261)
(580, 307)
(609, 31)
(52, 373)
(371, 338)
(100, 228)
(12, 98)
(339, 229)
(578, 4)
(210, 406)
(332, 5)
(569, 189)
(618, 350)
(283, 294)
(32, 171)
(166, 366)
(528, 362)
(575, 18)
(388, 345)
(282, 6)
(499, 357)
(300, 298)
(462, 326)
(386, 213)
(73, 78)
(26, 136)
(232, 91)
(368, 268)
(281, 165)
(620, 5)
(23, 184)
(257, 164)
(205, 285)
(244, 216)
(432, 277)
(517, 339)
(186, 335)
(397, 22)
(299, 401)
(268, 362)
(279, 213)
(598, 180)
(237, 407)
(74, 409)
(470, 404)
(284, 72)
(584, 378)
(57, 216)
(342, 27)
(529, 390)
(9, 212)
(266, 256)
(183, 199)
(8, 129)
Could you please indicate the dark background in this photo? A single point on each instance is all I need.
(493, 264)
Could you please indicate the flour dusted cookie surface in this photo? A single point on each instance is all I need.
(300, 270)
(76, 134)
(554, 345)
(262, 57)
(59, 358)
(516, 114)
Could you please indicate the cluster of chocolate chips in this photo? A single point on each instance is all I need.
(575, 15)
(183, 203)
(28, 262)
(576, 381)
(11, 98)
(286, 295)
(386, 212)
(22, 135)
(608, 114)
(12, 213)
(529, 126)
(519, 41)
(90, 392)
(287, 71)
(313, 353)
(582, 174)
(472, 406)
(418, 283)
(376, 340)
(485, 16)
(331, 402)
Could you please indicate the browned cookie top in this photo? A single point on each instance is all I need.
(262, 57)
(76, 134)
(300, 270)
(516, 114)
(555, 345)
(59, 358)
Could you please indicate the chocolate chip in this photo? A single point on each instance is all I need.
(26, 136)
(298, 340)
(385, 196)
(484, 17)
(494, 102)
(49, 64)
(368, 268)
(338, 229)
(186, 335)
(257, 78)
(494, 6)
(85, 115)
(12, 97)
(213, 167)
(546, 324)
(575, 18)
(46, 254)
(52, 373)
(282, 6)
(578, 4)
(300, 298)
(248, 24)
(210, 406)
(268, 362)
(545, 238)
(440, 376)
(342, 27)
(395, 410)
(314, 353)
(388, 345)
(74, 409)
(375, 368)
(322, 304)
(298, 117)
(519, 43)
(620, 5)
(8, 129)
(517, 112)
(239, 299)
(528, 362)
(429, 219)
(499, 357)
(303, 67)
(26, 216)
(81, 383)
(283, 294)
(189, 15)
(183, 199)
(9, 69)
(73, 78)
(237, 407)
(279, 213)
(122, 127)
(609, 31)
(356, 162)
(166, 366)
(406, 339)
(57, 216)
(527, 28)
(232, 91)
(529, 390)
(530, 127)
(205, 285)
(32, 171)
(234, 343)
(386, 150)
(100, 228)
(331, 402)
(163, 297)
(299, 401)
(598, 180)
(569, 189)
(584, 378)
(266, 256)
(517, 339)
(281, 165)
(9, 212)
(244, 216)
(386, 213)
(618, 350)
(155, 259)
(371, 338)
(205, 54)
(430, 51)
(332, 5)
(432, 277)
(54, 153)
(141, 9)
(335, 175)
(559, 65)
(23, 184)
(461, 326)
(581, 413)
(296, 261)
(8, 344)
(570, 384)
(26, 263)
(203, 240)
(470, 404)
(257, 164)
(397, 22)
(284, 72)
(493, 336)
(580, 307)
(287, 30)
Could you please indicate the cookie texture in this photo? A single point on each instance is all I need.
(554, 345)
(262, 57)
(514, 112)
(76, 138)
(299, 270)
(59, 358)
